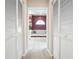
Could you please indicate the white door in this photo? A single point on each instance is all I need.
(66, 29)
(63, 43)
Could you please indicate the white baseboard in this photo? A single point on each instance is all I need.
(25, 53)
(49, 53)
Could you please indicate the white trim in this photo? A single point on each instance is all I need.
(59, 28)
(49, 53)
(17, 27)
(25, 53)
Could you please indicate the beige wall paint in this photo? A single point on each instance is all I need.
(38, 3)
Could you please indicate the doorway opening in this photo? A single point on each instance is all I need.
(37, 28)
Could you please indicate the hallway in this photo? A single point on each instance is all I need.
(37, 54)
(39, 29)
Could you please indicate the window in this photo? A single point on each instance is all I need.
(40, 22)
